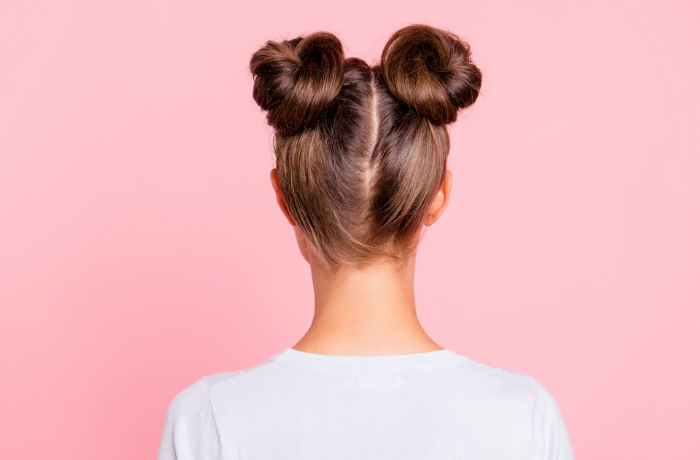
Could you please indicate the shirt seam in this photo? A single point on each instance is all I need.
(213, 416)
(533, 381)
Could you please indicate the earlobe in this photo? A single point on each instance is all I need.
(280, 199)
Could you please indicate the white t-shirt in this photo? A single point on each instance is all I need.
(307, 406)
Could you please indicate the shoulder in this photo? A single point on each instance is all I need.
(190, 430)
(523, 387)
(507, 384)
(194, 399)
(517, 398)
(551, 438)
(199, 395)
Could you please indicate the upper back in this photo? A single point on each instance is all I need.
(428, 405)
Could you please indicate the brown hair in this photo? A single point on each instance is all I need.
(362, 151)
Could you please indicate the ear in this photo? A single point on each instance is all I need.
(280, 200)
(437, 207)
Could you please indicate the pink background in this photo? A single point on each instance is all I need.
(141, 247)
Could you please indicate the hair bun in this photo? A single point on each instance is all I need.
(295, 80)
(431, 71)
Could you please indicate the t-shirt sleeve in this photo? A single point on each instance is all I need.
(550, 435)
(190, 429)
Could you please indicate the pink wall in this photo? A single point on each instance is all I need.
(141, 248)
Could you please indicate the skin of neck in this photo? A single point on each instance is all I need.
(362, 312)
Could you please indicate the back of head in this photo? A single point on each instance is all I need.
(361, 151)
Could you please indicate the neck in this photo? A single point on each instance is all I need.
(368, 311)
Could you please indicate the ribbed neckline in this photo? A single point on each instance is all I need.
(335, 363)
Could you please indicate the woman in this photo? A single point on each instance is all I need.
(361, 157)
